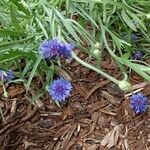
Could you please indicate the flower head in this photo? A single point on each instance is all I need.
(55, 48)
(60, 89)
(139, 102)
(134, 37)
(6, 76)
(137, 55)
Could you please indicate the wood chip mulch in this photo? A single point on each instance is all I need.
(96, 117)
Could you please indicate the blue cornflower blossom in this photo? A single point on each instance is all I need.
(55, 48)
(139, 102)
(137, 55)
(134, 37)
(6, 76)
(60, 89)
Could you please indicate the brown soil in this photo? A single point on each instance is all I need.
(96, 117)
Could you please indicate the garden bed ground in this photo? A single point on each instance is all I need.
(96, 114)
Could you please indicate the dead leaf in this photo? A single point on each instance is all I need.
(111, 139)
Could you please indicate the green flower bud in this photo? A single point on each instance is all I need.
(97, 45)
(125, 86)
(96, 52)
(148, 16)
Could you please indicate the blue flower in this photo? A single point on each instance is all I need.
(60, 89)
(137, 55)
(6, 76)
(55, 48)
(134, 37)
(139, 102)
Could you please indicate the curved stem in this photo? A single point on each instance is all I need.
(5, 92)
(95, 69)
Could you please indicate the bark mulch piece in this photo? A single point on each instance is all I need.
(96, 117)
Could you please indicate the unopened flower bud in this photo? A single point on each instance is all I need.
(125, 86)
(148, 16)
(96, 52)
(97, 45)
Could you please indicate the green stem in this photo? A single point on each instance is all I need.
(98, 63)
(95, 69)
(5, 92)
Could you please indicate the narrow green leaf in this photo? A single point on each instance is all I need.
(26, 68)
(135, 68)
(126, 55)
(16, 54)
(20, 7)
(83, 13)
(14, 19)
(128, 21)
(12, 43)
(7, 32)
(42, 27)
(137, 20)
(33, 72)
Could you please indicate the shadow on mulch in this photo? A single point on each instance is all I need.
(96, 117)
